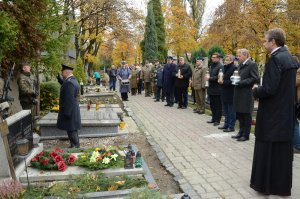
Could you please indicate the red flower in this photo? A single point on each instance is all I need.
(71, 159)
(44, 161)
(58, 150)
(61, 166)
(35, 159)
(58, 158)
(53, 154)
(40, 154)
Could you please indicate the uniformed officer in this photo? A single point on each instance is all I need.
(69, 113)
(27, 93)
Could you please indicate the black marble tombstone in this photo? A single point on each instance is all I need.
(19, 129)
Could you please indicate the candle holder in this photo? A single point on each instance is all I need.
(235, 78)
(138, 160)
(23, 146)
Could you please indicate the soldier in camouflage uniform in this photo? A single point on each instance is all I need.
(27, 94)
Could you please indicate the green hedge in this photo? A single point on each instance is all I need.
(49, 93)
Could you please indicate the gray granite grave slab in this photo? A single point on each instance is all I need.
(104, 122)
(4, 169)
(107, 107)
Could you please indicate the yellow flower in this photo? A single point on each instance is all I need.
(83, 157)
(98, 188)
(97, 149)
(120, 182)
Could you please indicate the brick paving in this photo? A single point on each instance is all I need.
(212, 165)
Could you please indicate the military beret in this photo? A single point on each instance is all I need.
(200, 59)
(170, 57)
(123, 62)
(65, 67)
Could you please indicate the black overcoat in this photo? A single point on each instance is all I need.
(69, 113)
(186, 72)
(214, 87)
(227, 89)
(275, 120)
(243, 100)
(168, 79)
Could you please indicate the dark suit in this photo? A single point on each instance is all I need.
(243, 100)
(181, 85)
(69, 113)
(214, 92)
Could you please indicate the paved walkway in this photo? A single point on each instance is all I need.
(215, 165)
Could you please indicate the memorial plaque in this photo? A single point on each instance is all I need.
(19, 126)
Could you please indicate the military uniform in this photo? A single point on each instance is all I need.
(27, 93)
(69, 113)
(146, 76)
(198, 83)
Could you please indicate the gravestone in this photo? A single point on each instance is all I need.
(103, 122)
(19, 126)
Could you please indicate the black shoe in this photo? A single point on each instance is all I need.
(201, 112)
(195, 110)
(237, 136)
(71, 147)
(167, 104)
(216, 123)
(210, 121)
(222, 127)
(228, 130)
(242, 139)
(184, 107)
(171, 105)
(156, 100)
(162, 100)
(179, 107)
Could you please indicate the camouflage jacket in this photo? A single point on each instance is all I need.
(26, 87)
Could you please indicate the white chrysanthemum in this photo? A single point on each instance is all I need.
(106, 160)
(114, 156)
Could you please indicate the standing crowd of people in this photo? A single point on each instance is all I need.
(231, 90)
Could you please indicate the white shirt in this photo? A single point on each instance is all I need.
(274, 50)
(246, 61)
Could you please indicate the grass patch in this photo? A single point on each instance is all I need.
(86, 184)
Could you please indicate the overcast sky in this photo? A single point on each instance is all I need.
(211, 5)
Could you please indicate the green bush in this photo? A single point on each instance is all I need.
(198, 53)
(49, 93)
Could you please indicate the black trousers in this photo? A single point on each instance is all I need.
(181, 93)
(124, 96)
(170, 97)
(216, 107)
(160, 94)
(245, 120)
(74, 139)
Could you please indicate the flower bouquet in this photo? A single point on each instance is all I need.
(54, 160)
(100, 158)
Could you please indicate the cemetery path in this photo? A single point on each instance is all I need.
(210, 163)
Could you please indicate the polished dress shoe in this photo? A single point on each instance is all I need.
(210, 121)
(156, 100)
(228, 130)
(201, 112)
(167, 104)
(171, 105)
(242, 139)
(237, 136)
(222, 127)
(216, 123)
(179, 107)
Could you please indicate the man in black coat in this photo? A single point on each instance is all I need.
(168, 81)
(214, 89)
(227, 90)
(275, 120)
(69, 113)
(182, 74)
(243, 102)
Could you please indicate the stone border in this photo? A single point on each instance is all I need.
(120, 133)
(184, 185)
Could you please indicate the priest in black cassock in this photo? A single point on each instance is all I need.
(273, 152)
